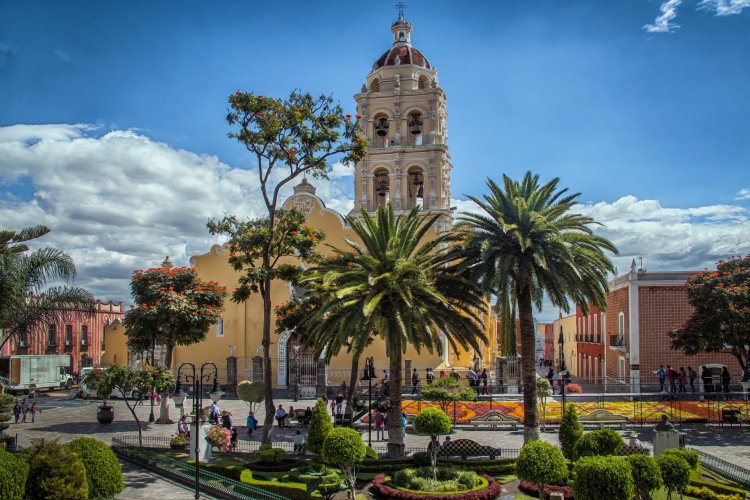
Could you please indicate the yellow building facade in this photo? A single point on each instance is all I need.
(402, 111)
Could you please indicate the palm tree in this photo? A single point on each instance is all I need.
(526, 239)
(25, 302)
(398, 287)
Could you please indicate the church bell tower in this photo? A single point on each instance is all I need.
(401, 109)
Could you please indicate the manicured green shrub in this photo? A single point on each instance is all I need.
(268, 455)
(445, 480)
(600, 442)
(434, 422)
(371, 454)
(55, 472)
(570, 432)
(704, 493)
(319, 428)
(541, 463)
(13, 472)
(344, 447)
(690, 456)
(603, 477)
(294, 491)
(722, 489)
(490, 490)
(103, 471)
(675, 472)
(646, 474)
(6, 411)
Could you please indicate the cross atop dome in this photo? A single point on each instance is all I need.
(401, 6)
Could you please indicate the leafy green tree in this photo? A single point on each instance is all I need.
(399, 287)
(125, 379)
(603, 477)
(26, 301)
(13, 473)
(433, 422)
(541, 463)
(172, 306)
(675, 472)
(599, 442)
(286, 138)
(103, 471)
(55, 472)
(721, 312)
(528, 241)
(319, 428)
(344, 447)
(570, 431)
(646, 475)
(251, 393)
(543, 391)
(446, 390)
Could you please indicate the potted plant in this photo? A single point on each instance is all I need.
(219, 436)
(100, 381)
(179, 442)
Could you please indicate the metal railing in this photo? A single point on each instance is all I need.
(725, 469)
(185, 473)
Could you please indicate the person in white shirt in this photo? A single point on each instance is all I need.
(280, 416)
(299, 443)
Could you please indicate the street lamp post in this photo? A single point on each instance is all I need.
(563, 368)
(179, 398)
(368, 375)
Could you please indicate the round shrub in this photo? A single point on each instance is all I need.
(675, 472)
(603, 477)
(690, 456)
(448, 480)
(541, 463)
(600, 442)
(646, 474)
(319, 428)
(491, 491)
(343, 445)
(55, 472)
(6, 411)
(571, 431)
(13, 472)
(103, 471)
(432, 421)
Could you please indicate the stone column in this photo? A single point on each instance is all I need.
(231, 387)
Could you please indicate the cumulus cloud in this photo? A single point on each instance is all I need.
(663, 23)
(725, 7)
(743, 194)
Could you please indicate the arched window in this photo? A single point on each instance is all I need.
(423, 82)
(380, 128)
(382, 188)
(415, 123)
(375, 85)
(415, 187)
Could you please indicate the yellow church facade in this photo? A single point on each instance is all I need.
(402, 111)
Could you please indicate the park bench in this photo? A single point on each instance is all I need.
(466, 448)
(603, 418)
(494, 419)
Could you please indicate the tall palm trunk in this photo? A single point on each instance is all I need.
(352, 388)
(528, 366)
(395, 430)
(267, 374)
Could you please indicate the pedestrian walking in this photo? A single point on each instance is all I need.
(251, 423)
(683, 379)
(430, 377)
(332, 405)
(213, 413)
(17, 411)
(707, 380)
(379, 426)
(672, 376)
(24, 410)
(414, 381)
(661, 374)
(726, 380)
(485, 380)
(33, 411)
(339, 404)
(472, 376)
(692, 376)
(226, 420)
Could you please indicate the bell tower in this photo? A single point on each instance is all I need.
(401, 109)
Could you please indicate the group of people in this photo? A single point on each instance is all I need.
(558, 379)
(23, 408)
(282, 415)
(675, 380)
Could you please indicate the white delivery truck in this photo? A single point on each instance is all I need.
(26, 374)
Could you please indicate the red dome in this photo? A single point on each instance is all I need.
(406, 55)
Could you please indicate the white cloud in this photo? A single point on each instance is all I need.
(663, 23)
(743, 194)
(121, 201)
(725, 7)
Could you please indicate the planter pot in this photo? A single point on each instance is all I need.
(105, 415)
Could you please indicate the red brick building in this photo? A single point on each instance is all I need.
(590, 344)
(641, 308)
(79, 336)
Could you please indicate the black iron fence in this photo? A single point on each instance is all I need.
(726, 469)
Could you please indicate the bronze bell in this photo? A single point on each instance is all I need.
(416, 124)
(381, 127)
(382, 188)
(420, 191)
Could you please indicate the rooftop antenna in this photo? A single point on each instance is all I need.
(400, 6)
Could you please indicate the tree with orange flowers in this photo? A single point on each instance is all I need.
(171, 306)
(721, 316)
(286, 138)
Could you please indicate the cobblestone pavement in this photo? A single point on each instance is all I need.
(66, 419)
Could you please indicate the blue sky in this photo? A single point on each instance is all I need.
(642, 106)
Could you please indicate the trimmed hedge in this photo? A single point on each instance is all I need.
(103, 471)
(603, 477)
(690, 456)
(722, 489)
(294, 491)
(382, 490)
(533, 490)
(707, 494)
(13, 472)
(55, 472)
(600, 442)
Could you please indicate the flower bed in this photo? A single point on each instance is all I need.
(382, 487)
(532, 490)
